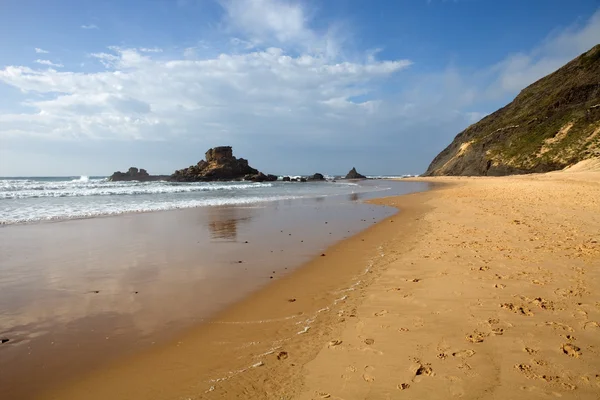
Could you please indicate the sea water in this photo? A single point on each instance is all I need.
(36, 199)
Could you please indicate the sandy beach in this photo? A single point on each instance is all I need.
(483, 288)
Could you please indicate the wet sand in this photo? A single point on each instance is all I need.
(82, 295)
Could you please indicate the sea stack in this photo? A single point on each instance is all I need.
(353, 174)
(133, 174)
(220, 165)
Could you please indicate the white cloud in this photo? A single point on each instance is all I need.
(277, 23)
(49, 63)
(41, 51)
(90, 26)
(521, 69)
(150, 50)
(260, 93)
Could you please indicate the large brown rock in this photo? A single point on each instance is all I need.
(219, 165)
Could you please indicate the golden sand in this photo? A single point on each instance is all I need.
(485, 288)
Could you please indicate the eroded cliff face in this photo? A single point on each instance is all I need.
(219, 165)
(553, 123)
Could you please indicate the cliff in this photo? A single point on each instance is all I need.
(551, 124)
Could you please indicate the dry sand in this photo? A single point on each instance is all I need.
(486, 288)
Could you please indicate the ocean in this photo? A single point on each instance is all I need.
(37, 199)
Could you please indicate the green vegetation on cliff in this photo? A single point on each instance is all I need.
(551, 124)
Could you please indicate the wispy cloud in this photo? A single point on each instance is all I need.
(90, 26)
(49, 63)
(41, 51)
(278, 23)
(150, 50)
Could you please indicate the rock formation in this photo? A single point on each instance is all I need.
(354, 175)
(133, 174)
(551, 124)
(219, 165)
(316, 177)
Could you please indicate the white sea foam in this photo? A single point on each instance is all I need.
(22, 189)
(24, 200)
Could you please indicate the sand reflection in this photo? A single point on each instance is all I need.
(223, 221)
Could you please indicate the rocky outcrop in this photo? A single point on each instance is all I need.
(353, 174)
(316, 177)
(260, 177)
(133, 174)
(550, 125)
(286, 179)
(219, 165)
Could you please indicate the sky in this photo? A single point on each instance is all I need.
(296, 87)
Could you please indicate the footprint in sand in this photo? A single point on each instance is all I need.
(334, 343)
(530, 351)
(517, 309)
(559, 325)
(403, 386)
(464, 353)
(323, 395)
(499, 286)
(526, 370)
(543, 304)
(591, 325)
(381, 313)
(421, 369)
(571, 350)
(369, 341)
(367, 376)
(476, 337)
(282, 355)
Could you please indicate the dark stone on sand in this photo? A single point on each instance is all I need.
(4, 340)
(323, 255)
(353, 174)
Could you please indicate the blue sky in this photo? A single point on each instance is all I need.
(89, 87)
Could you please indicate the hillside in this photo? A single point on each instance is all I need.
(551, 124)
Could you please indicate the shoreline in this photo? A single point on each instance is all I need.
(234, 338)
(121, 276)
